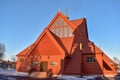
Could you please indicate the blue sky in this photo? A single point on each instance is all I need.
(21, 22)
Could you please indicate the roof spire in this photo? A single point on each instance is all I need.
(67, 13)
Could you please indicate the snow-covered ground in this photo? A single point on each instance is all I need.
(10, 73)
(76, 78)
(119, 71)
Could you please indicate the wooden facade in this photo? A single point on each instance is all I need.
(64, 47)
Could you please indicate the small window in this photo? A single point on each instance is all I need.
(22, 59)
(91, 59)
(81, 46)
(53, 63)
(36, 63)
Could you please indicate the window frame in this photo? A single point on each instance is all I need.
(53, 63)
(22, 59)
(36, 63)
(90, 59)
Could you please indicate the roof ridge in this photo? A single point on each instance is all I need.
(76, 19)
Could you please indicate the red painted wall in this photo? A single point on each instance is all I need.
(90, 67)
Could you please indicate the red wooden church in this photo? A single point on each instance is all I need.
(64, 47)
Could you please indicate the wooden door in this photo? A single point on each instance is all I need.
(44, 66)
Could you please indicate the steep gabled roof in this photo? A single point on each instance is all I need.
(61, 44)
(59, 47)
(82, 24)
(76, 22)
(46, 46)
(60, 14)
(59, 41)
(25, 51)
(29, 50)
(72, 23)
(68, 43)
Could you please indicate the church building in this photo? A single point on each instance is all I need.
(64, 47)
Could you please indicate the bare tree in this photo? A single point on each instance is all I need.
(116, 60)
(13, 58)
(2, 50)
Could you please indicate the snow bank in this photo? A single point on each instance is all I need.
(12, 72)
(68, 77)
(76, 78)
(9, 78)
(118, 71)
(7, 72)
(20, 74)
